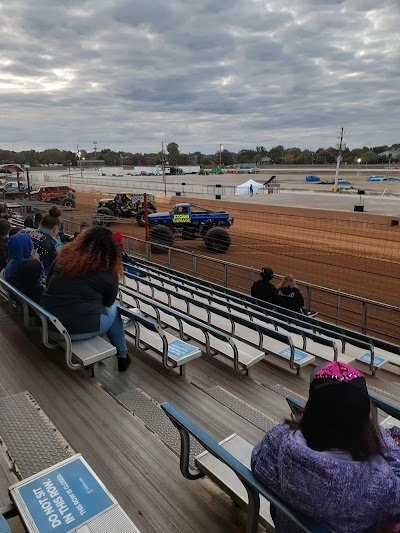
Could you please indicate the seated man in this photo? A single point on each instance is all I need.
(263, 289)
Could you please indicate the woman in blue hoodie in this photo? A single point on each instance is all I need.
(24, 270)
(335, 465)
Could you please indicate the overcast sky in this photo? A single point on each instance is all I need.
(132, 73)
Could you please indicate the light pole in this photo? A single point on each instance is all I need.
(95, 149)
(220, 155)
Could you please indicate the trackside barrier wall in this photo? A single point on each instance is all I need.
(253, 487)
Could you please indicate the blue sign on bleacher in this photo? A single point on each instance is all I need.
(298, 354)
(64, 498)
(180, 349)
(366, 358)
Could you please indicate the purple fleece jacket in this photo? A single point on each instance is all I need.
(341, 495)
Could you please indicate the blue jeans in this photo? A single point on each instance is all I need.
(111, 324)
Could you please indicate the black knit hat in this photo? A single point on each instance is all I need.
(267, 273)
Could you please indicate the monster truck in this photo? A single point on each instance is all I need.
(61, 194)
(189, 224)
(127, 205)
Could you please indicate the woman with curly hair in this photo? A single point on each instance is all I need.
(82, 285)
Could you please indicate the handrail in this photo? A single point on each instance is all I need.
(252, 485)
(44, 316)
(150, 325)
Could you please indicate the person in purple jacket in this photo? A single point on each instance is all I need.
(335, 465)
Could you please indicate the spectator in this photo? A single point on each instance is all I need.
(45, 238)
(82, 227)
(24, 270)
(263, 289)
(251, 190)
(28, 222)
(127, 258)
(37, 220)
(289, 296)
(82, 285)
(335, 465)
(4, 231)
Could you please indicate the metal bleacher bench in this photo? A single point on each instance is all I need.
(352, 346)
(213, 340)
(78, 354)
(174, 352)
(227, 464)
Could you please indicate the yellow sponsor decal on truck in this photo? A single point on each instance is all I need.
(181, 218)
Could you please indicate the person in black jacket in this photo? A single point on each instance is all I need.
(263, 289)
(82, 285)
(289, 296)
(4, 230)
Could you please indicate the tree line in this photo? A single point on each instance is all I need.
(173, 156)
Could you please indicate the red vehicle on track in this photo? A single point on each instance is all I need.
(61, 194)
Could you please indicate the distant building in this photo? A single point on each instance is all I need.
(265, 160)
(92, 163)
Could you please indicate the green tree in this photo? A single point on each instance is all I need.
(173, 152)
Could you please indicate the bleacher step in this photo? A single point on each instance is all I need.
(240, 407)
(149, 412)
(32, 452)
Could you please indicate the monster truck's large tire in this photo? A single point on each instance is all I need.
(217, 240)
(103, 217)
(67, 201)
(160, 234)
(189, 234)
(140, 217)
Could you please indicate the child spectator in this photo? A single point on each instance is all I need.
(263, 289)
(45, 238)
(289, 296)
(335, 465)
(24, 270)
(4, 230)
(82, 286)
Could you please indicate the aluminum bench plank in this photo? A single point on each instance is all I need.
(92, 350)
(175, 345)
(225, 478)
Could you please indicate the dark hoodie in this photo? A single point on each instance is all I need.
(22, 271)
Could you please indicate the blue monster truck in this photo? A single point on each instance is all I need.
(189, 223)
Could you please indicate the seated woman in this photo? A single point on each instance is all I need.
(335, 465)
(82, 285)
(24, 270)
(289, 296)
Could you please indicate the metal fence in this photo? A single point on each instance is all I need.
(365, 316)
(174, 184)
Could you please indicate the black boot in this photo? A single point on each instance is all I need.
(123, 363)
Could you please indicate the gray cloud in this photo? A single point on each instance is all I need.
(130, 74)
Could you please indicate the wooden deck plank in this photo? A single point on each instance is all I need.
(136, 467)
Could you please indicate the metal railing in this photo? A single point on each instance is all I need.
(366, 316)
